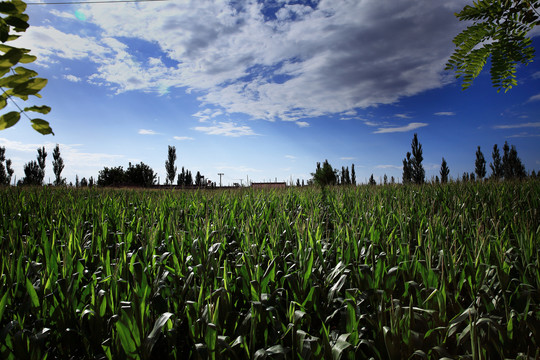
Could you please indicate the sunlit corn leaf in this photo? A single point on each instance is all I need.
(152, 338)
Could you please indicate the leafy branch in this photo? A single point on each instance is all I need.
(17, 81)
(499, 30)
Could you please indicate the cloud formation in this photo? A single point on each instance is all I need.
(147, 132)
(409, 127)
(271, 60)
(226, 129)
(182, 138)
(445, 113)
(518, 126)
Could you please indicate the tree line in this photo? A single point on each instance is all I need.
(507, 167)
(137, 175)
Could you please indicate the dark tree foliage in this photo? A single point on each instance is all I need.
(498, 32)
(185, 178)
(418, 173)
(84, 182)
(6, 172)
(372, 180)
(34, 171)
(169, 165)
(480, 165)
(347, 176)
(198, 179)
(407, 169)
(496, 165)
(140, 175)
(58, 166)
(113, 176)
(353, 175)
(385, 179)
(445, 171)
(512, 166)
(32, 174)
(325, 175)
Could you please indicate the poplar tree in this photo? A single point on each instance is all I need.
(418, 173)
(6, 172)
(496, 165)
(58, 166)
(444, 171)
(480, 165)
(169, 165)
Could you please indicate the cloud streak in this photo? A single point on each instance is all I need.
(409, 127)
(147, 132)
(226, 129)
(518, 126)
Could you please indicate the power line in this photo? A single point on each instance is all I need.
(92, 2)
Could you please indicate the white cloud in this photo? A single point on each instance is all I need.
(409, 127)
(226, 129)
(346, 158)
(534, 98)
(302, 124)
(524, 135)
(182, 138)
(518, 126)
(207, 114)
(147, 132)
(292, 157)
(402, 116)
(302, 61)
(387, 167)
(445, 113)
(72, 78)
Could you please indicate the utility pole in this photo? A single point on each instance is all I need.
(220, 175)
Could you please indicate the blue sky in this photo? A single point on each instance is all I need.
(265, 90)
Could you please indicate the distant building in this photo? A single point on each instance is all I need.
(268, 185)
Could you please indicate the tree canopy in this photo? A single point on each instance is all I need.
(325, 175)
(499, 30)
(17, 81)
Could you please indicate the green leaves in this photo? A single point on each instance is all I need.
(9, 119)
(499, 31)
(22, 82)
(41, 126)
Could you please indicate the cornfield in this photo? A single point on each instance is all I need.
(385, 272)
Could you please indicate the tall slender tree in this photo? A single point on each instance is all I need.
(444, 171)
(58, 166)
(6, 172)
(512, 165)
(480, 165)
(353, 175)
(496, 165)
(42, 156)
(169, 165)
(407, 169)
(418, 173)
(506, 166)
